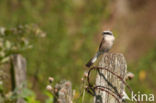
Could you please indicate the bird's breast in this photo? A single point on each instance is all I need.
(109, 38)
(109, 41)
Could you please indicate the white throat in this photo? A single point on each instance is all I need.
(109, 38)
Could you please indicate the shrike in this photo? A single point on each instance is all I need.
(105, 46)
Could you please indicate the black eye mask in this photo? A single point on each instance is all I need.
(107, 33)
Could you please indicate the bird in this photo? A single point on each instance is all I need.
(105, 45)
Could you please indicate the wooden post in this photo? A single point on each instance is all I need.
(116, 63)
(63, 92)
(19, 70)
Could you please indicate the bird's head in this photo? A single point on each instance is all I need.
(107, 32)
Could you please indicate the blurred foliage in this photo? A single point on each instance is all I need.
(144, 69)
(12, 41)
(28, 95)
(71, 26)
(50, 97)
(67, 24)
(18, 39)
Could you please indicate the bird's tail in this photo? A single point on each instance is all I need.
(92, 61)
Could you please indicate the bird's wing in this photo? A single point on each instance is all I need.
(101, 44)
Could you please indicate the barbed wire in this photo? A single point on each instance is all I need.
(91, 88)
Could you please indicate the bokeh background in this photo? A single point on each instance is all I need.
(73, 30)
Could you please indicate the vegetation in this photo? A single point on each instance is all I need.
(70, 27)
(14, 41)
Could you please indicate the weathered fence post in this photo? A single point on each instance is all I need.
(116, 63)
(19, 74)
(63, 92)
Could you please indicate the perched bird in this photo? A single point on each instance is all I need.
(105, 46)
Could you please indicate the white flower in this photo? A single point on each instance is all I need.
(2, 30)
(49, 87)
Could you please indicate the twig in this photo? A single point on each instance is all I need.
(108, 93)
(90, 85)
(102, 87)
(116, 76)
